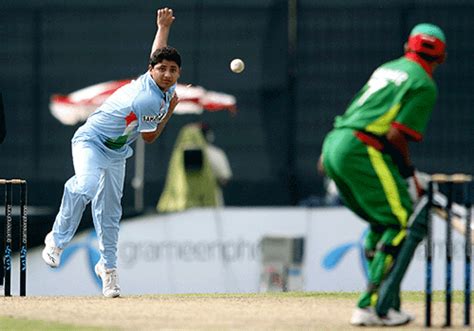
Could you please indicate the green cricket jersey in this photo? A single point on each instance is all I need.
(399, 93)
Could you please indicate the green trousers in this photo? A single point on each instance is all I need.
(371, 186)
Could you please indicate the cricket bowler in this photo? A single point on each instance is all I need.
(100, 148)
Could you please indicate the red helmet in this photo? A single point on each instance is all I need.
(428, 39)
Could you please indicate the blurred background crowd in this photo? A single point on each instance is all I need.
(304, 61)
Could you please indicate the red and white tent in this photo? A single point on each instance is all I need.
(76, 107)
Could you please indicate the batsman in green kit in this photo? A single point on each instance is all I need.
(367, 156)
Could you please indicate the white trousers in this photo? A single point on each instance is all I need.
(98, 178)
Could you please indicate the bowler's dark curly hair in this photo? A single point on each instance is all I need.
(165, 53)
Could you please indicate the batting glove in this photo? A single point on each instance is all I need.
(417, 185)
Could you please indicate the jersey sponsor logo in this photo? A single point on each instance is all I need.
(153, 118)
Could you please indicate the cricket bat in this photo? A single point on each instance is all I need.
(458, 215)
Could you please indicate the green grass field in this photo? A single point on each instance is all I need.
(10, 323)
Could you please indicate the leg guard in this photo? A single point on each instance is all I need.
(386, 252)
(389, 291)
(370, 243)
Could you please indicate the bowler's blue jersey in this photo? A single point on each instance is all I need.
(134, 108)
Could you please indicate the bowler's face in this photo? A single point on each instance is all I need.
(165, 74)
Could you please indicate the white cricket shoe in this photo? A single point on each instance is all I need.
(365, 317)
(410, 316)
(109, 277)
(51, 254)
(395, 318)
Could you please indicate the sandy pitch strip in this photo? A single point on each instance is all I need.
(205, 312)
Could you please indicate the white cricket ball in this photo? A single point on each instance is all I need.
(237, 65)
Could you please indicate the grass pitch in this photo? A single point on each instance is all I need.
(276, 311)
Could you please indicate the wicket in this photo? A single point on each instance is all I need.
(449, 181)
(8, 237)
